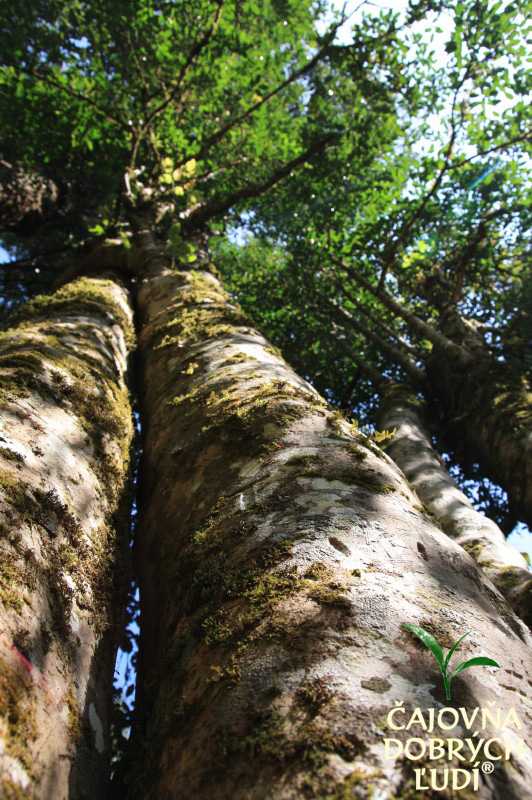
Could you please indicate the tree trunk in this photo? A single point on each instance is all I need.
(488, 403)
(490, 413)
(65, 434)
(412, 450)
(279, 552)
(26, 200)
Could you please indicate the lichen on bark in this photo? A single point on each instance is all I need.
(412, 450)
(66, 431)
(279, 551)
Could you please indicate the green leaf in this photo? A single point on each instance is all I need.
(190, 167)
(453, 648)
(479, 661)
(174, 234)
(97, 230)
(428, 640)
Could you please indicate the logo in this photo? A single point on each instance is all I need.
(462, 744)
(434, 647)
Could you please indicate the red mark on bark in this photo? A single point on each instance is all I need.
(33, 671)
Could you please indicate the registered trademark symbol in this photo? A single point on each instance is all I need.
(487, 767)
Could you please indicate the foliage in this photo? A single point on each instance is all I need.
(429, 640)
(321, 159)
(430, 203)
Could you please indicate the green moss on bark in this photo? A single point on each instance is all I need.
(81, 384)
(17, 713)
(82, 297)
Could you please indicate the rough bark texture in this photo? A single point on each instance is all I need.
(25, 199)
(65, 432)
(491, 410)
(488, 402)
(412, 450)
(279, 553)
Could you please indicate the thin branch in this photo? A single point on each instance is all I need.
(389, 331)
(392, 256)
(347, 394)
(220, 133)
(469, 251)
(413, 321)
(522, 137)
(410, 367)
(374, 375)
(79, 96)
(191, 59)
(381, 382)
(200, 217)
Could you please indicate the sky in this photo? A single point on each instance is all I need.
(521, 538)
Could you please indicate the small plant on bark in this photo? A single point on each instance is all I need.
(434, 647)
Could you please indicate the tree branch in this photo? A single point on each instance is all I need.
(220, 133)
(79, 96)
(191, 58)
(522, 137)
(392, 256)
(389, 331)
(410, 367)
(413, 321)
(200, 217)
(469, 252)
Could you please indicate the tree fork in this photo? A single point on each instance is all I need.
(279, 552)
(66, 431)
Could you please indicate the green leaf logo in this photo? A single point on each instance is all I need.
(434, 647)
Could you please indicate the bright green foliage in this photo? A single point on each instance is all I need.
(199, 115)
(429, 640)
(428, 197)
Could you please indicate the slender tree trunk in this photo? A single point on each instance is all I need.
(279, 553)
(65, 436)
(489, 408)
(488, 401)
(412, 450)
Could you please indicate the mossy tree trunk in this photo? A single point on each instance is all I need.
(65, 436)
(279, 552)
(412, 450)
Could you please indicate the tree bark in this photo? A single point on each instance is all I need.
(26, 200)
(65, 436)
(488, 401)
(279, 552)
(412, 450)
(489, 408)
